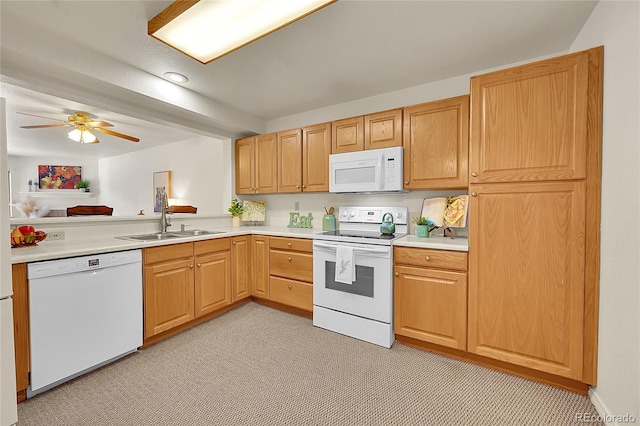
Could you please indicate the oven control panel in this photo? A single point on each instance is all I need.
(372, 214)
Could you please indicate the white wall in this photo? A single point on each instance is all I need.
(25, 168)
(616, 25)
(201, 170)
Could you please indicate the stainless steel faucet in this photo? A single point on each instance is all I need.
(165, 221)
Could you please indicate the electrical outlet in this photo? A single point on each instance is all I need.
(55, 235)
(296, 206)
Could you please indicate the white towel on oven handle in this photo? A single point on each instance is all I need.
(345, 265)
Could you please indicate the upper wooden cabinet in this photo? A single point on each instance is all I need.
(529, 123)
(436, 144)
(256, 164)
(290, 161)
(372, 131)
(316, 147)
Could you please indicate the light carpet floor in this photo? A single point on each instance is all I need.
(259, 366)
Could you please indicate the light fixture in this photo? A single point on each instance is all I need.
(206, 30)
(176, 77)
(82, 135)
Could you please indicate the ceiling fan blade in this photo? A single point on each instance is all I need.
(112, 133)
(99, 124)
(42, 126)
(39, 116)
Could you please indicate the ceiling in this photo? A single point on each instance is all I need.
(96, 56)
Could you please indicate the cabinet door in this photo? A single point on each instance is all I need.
(347, 135)
(431, 305)
(168, 295)
(529, 123)
(20, 300)
(292, 293)
(266, 170)
(316, 147)
(260, 266)
(436, 144)
(213, 282)
(526, 274)
(383, 129)
(245, 166)
(290, 161)
(240, 276)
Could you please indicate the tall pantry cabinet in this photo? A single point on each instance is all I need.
(534, 185)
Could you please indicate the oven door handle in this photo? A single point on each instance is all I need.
(368, 250)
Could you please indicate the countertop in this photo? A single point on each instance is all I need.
(49, 250)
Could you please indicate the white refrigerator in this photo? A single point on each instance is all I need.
(8, 409)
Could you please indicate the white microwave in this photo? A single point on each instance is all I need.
(375, 170)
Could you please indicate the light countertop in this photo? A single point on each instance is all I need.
(434, 242)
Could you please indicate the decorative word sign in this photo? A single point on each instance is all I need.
(297, 221)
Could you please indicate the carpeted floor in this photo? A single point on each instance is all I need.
(259, 366)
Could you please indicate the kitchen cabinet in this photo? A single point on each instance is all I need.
(291, 272)
(534, 215)
(303, 159)
(529, 122)
(184, 281)
(373, 131)
(256, 164)
(20, 300)
(436, 144)
(290, 161)
(240, 276)
(260, 266)
(430, 296)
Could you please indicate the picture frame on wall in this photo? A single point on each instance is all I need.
(161, 183)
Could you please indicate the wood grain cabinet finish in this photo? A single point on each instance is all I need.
(303, 159)
(20, 300)
(527, 275)
(260, 266)
(431, 304)
(436, 144)
(240, 276)
(256, 164)
(383, 129)
(529, 123)
(291, 272)
(212, 275)
(347, 135)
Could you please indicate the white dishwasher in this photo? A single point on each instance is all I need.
(84, 312)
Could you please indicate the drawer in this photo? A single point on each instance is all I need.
(291, 293)
(170, 252)
(430, 258)
(287, 264)
(212, 246)
(297, 244)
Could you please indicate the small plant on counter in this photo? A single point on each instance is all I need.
(236, 208)
(420, 220)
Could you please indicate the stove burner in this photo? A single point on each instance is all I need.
(362, 234)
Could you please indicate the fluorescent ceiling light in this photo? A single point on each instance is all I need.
(207, 30)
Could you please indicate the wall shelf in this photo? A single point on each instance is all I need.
(58, 193)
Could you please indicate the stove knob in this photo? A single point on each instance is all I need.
(345, 213)
(353, 213)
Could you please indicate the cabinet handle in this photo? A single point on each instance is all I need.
(406, 182)
(474, 194)
(199, 265)
(298, 186)
(289, 286)
(234, 243)
(427, 258)
(304, 186)
(289, 244)
(289, 259)
(474, 174)
(191, 266)
(396, 274)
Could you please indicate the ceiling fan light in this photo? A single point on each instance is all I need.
(207, 30)
(75, 135)
(82, 136)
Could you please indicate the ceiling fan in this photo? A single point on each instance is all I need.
(83, 127)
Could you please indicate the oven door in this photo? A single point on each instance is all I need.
(369, 296)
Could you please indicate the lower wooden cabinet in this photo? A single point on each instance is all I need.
(184, 281)
(291, 272)
(430, 302)
(20, 300)
(240, 277)
(260, 266)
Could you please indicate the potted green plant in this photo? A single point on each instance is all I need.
(236, 211)
(83, 185)
(422, 226)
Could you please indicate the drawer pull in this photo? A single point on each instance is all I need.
(289, 244)
(427, 258)
(289, 259)
(289, 286)
(396, 274)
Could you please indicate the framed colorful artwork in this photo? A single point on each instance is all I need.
(161, 183)
(59, 177)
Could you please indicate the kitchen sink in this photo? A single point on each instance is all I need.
(158, 236)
